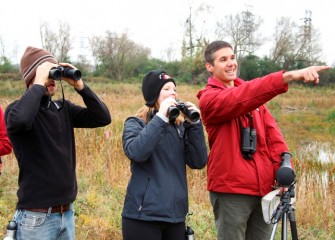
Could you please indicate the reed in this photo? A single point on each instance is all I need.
(303, 114)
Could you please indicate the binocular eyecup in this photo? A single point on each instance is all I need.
(57, 73)
(175, 111)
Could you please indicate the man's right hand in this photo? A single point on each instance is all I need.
(309, 74)
(42, 73)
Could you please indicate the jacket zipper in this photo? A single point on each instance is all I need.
(145, 193)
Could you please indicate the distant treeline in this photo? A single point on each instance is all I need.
(250, 67)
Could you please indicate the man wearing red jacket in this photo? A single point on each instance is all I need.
(245, 141)
(5, 145)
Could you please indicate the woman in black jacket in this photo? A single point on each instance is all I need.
(160, 145)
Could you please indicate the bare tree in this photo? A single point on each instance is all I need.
(284, 40)
(6, 65)
(64, 41)
(195, 30)
(58, 43)
(294, 45)
(2, 48)
(117, 55)
(170, 53)
(194, 41)
(242, 30)
(48, 38)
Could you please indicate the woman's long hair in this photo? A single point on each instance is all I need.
(147, 113)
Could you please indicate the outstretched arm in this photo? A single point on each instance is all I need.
(309, 74)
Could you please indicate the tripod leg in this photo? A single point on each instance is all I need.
(293, 223)
(284, 227)
(273, 231)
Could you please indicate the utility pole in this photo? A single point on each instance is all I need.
(189, 22)
(308, 32)
(308, 24)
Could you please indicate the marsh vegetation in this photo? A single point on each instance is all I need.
(306, 116)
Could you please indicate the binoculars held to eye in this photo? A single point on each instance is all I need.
(57, 73)
(174, 112)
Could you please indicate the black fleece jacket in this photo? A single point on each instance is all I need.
(42, 135)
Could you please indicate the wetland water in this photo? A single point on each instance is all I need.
(318, 160)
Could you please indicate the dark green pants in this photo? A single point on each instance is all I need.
(239, 217)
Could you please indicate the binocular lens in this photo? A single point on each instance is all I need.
(194, 116)
(72, 73)
(55, 73)
(173, 112)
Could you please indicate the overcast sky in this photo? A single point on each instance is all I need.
(156, 24)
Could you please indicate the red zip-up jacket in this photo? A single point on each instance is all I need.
(5, 145)
(223, 110)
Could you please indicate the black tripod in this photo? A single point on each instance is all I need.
(285, 210)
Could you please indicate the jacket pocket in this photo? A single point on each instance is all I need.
(142, 201)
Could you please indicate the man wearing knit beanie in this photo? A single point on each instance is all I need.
(31, 59)
(41, 131)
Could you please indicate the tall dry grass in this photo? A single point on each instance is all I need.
(103, 169)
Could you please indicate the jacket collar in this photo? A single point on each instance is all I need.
(216, 83)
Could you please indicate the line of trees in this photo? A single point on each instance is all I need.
(118, 58)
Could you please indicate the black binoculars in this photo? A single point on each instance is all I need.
(249, 140)
(58, 72)
(174, 112)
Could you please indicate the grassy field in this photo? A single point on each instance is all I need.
(305, 115)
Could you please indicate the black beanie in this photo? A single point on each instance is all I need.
(152, 85)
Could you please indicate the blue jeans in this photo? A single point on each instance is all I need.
(45, 226)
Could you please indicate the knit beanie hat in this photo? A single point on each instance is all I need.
(152, 85)
(31, 59)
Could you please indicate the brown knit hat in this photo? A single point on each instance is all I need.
(31, 59)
